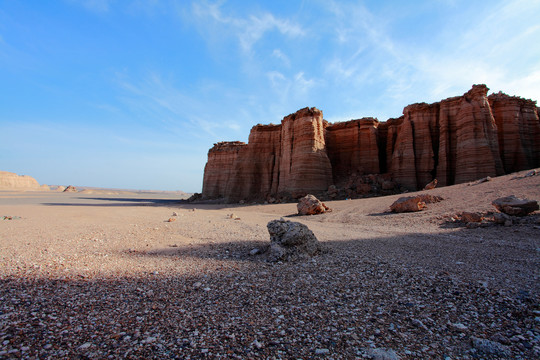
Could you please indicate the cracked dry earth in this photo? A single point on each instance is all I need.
(109, 277)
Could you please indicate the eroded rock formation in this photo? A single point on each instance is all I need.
(456, 140)
(11, 181)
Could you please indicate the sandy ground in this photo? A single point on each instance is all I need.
(107, 276)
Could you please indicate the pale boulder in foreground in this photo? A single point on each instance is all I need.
(290, 240)
(310, 205)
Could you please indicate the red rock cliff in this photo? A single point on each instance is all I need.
(352, 148)
(456, 140)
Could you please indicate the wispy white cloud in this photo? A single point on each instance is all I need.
(278, 54)
(248, 29)
(160, 102)
(492, 46)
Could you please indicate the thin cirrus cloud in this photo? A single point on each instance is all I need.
(163, 104)
(248, 30)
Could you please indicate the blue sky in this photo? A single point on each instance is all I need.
(132, 94)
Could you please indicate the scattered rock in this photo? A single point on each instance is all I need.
(232, 216)
(388, 185)
(431, 185)
(291, 240)
(332, 191)
(85, 346)
(514, 206)
(70, 188)
(472, 225)
(489, 347)
(469, 217)
(254, 252)
(501, 218)
(408, 204)
(483, 180)
(60, 188)
(430, 199)
(195, 197)
(310, 205)
(382, 354)
(532, 173)
(322, 351)
(175, 214)
(171, 219)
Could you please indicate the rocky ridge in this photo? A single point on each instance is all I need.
(11, 181)
(456, 140)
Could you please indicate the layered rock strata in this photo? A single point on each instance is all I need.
(11, 181)
(456, 140)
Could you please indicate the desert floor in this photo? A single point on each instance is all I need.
(107, 276)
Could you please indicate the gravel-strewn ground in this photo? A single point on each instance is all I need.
(84, 276)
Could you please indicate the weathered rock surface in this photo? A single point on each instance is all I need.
(456, 140)
(290, 240)
(70, 188)
(310, 205)
(408, 204)
(514, 206)
(353, 149)
(518, 131)
(13, 181)
(304, 165)
(219, 169)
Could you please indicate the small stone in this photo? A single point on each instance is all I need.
(85, 346)
(459, 326)
(257, 344)
(471, 217)
(321, 351)
(382, 354)
(149, 340)
(197, 285)
(489, 347)
(175, 214)
(431, 185)
(254, 252)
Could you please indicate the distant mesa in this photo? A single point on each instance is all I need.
(71, 188)
(12, 181)
(456, 140)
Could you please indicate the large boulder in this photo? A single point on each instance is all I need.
(408, 204)
(310, 205)
(290, 240)
(514, 206)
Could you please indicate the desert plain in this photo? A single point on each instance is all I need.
(95, 275)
